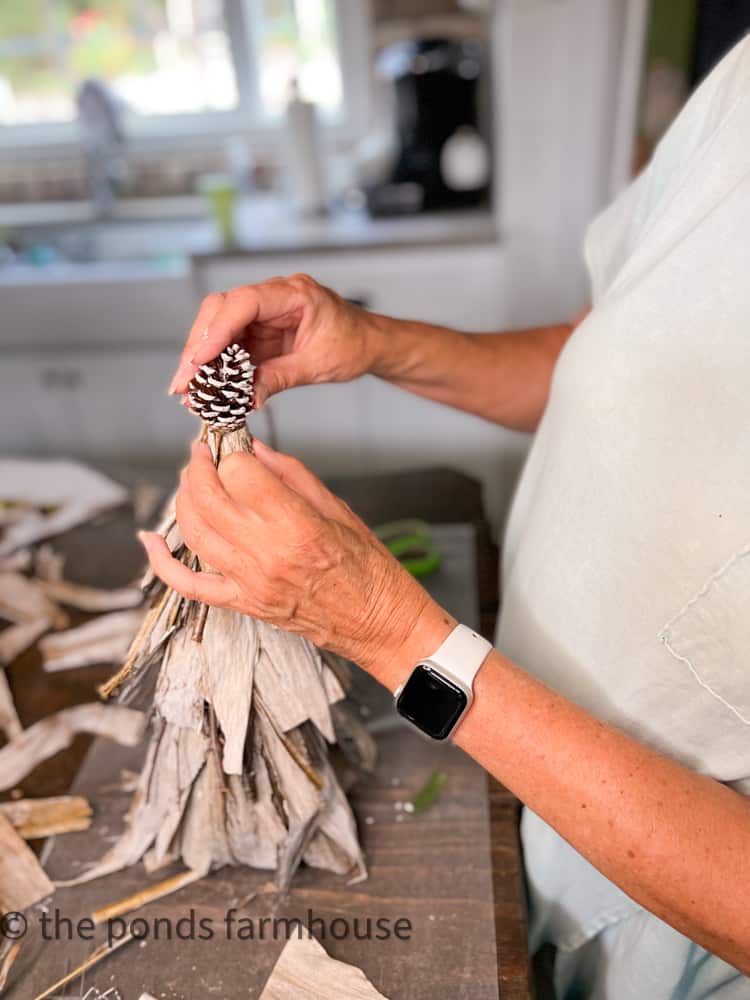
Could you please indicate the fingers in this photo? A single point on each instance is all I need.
(299, 478)
(186, 369)
(210, 588)
(253, 487)
(216, 550)
(272, 302)
(207, 495)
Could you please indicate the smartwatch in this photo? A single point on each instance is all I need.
(438, 692)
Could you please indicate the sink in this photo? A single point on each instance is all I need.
(135, 239)
(140, 228)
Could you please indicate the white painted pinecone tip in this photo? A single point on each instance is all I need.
(222, 391)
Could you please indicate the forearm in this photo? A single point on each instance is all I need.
(503, 377)
(674, 840)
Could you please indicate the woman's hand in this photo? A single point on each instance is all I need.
(284, 549)
(296, 331)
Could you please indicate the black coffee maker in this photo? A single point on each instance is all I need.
(443, 158)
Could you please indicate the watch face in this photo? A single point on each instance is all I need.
(431, 702)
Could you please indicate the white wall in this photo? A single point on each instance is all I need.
(566, 77)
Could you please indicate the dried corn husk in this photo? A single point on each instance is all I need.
(32, 613)
(105, 639)
(16, 639)
(306, 970)
(22, 878)
(48, 736)
(92, 599)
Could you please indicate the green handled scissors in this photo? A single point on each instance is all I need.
(410, 541)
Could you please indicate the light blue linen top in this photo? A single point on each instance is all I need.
(626, 565)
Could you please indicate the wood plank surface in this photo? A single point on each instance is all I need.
(432, 872)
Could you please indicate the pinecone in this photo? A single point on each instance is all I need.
(221, 391)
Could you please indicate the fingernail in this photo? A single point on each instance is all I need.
(183, 374)
(143, 538)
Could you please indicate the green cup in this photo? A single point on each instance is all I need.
(220, 192)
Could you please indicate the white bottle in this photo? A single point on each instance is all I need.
(304, 156)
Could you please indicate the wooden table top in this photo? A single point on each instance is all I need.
(447, 872)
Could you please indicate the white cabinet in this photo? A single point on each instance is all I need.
(96, 405)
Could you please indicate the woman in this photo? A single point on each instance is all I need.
(617, 703)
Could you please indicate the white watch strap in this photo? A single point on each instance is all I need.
(462, 654)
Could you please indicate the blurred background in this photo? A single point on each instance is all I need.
(432, 159)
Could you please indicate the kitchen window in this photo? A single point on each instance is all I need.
(180, 67)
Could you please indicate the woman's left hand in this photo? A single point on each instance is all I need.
(283, 548)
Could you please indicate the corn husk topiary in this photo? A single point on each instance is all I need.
(243, 714)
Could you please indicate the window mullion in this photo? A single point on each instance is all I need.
(238, 15)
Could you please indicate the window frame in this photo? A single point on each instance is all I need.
(194, 131)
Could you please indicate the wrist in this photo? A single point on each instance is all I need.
(389, 346)
(410, 626)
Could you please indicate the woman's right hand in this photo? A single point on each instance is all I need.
(296, 331)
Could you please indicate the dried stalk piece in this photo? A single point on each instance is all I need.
(48, 736)
(306, 970)
(148, 895)
(237, 770)
(22, 879)
(34, 819)
(105, 639)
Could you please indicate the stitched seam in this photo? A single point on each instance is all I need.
(663, 635)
